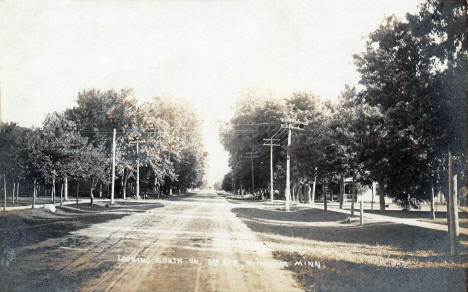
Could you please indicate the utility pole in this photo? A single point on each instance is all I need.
(113, 167)
(287, 192)
(290, 125)
(271, 164)
(452, 209)
(253, 180)
(251, 155)
(138, 172)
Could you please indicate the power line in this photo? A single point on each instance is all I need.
(256, 124)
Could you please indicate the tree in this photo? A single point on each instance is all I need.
(403, 80)
(58, 150)
(13, 161)
(256, 118)
(96, 115)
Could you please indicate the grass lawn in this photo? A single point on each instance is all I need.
(379, 256)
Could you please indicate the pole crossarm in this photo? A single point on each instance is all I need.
(271, 142)
(271, 145)
(293, 125)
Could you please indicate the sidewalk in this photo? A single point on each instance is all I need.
(57, 203)
(70, 202)
(407, 221)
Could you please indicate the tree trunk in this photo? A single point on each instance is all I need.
(381, 198)
(353, 196)
(433, 215)
(124, 185)
(324, 192)
(61, 195)
(66, 188)
(408, 202)
(17, 191)
(34, 194)
(303, 197)
(341, 191)
(91, 196)
(155, 185)
(13, 193)
(313, 191)
(293, 193)
(53, 191)
(77, 191)
(4, 192)
(298, 192)
(455, 206)
(373, 194)
(309, 189)
(361, 213)
(93, 187)
(450, 208)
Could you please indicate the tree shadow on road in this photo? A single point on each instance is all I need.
(303, 215)
(28, 228)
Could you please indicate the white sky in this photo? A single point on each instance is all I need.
(208, 52)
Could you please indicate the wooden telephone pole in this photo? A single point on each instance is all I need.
(271, 164)
(290, 125)
(113, 167)
(252, 155)
(452, 209)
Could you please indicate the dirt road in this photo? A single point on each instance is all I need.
(194, 243)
